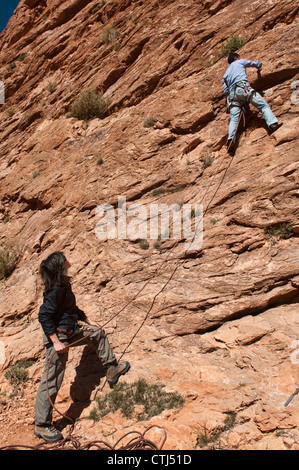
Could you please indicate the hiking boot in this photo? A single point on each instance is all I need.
(274, 127)
(48, 433)
(230, 144)
(115, 371)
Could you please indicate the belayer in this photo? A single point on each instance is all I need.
(238, 93)
(59, 317)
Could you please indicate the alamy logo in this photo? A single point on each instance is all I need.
(156, 221)
(2, 93)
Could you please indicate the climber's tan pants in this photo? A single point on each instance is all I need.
(56, 369)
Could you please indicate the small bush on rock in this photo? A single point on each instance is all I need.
(90, 105)
(125, 397)
(233, 44)
(9, 257)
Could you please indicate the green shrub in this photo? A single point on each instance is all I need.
(22, 57)
(207, 438)
(158, 192)
(11, 66)
(110, 35)
(9, 257)
(18, 374)
(98, 158)
(90, 104)
(172, 190)
(149, 122)
(96, 9)
(158, 242)
(281, 231)
(207, 161)
(52, 87)
(143, 244)
(125, 397)
(10, 112)
(233, 44)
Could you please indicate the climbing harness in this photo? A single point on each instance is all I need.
(239, 94)
(240, 100)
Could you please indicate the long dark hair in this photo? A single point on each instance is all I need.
(53, 271)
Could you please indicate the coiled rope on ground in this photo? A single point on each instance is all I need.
(138, 442)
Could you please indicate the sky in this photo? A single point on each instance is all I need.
(7, 7)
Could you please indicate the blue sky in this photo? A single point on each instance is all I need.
(7, 7)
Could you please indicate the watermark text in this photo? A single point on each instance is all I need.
(156, 221)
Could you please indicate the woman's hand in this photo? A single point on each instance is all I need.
(58, 345)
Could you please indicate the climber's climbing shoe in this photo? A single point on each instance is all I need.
(274, 127)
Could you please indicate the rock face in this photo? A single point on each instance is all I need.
(219, 323)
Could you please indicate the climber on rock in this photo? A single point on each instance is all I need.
(59, 316)
(238, 93)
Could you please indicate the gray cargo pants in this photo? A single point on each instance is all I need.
(89, 334)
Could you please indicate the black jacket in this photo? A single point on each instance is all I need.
(59, 310)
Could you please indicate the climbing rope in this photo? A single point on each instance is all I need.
(177, 242)
(139, 442)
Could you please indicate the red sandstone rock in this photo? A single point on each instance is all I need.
(223, 331)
